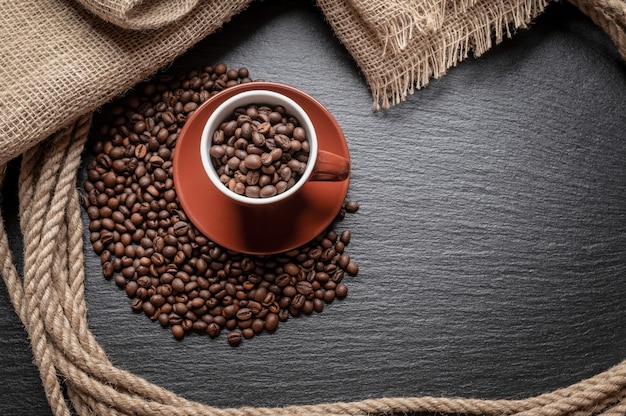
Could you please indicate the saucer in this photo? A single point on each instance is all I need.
(281, 227)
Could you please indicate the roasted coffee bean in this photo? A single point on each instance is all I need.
(283, 315)
(178, 331)
(234, 338)
(229, 311)
(337, 277)
(282, 280)
(341, 291)
(247, 333)
(258, 325)
(292, 269)
(107, 270)
(244, 314)
(344, 260)
(308, 307)
(352, 268)
(345, 236)
(289, 291)
(169, 270)
(352, 206)
(214, 329)
(298, 301)
(329, 295)
(271, 322)
(318, 305)
(136, 305)
(181, 228)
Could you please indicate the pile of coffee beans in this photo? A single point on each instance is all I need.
(146, 244)
(260, 151)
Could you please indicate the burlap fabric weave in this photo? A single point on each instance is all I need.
(139, 14)
(61, 59)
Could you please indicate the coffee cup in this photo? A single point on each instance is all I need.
(315, 164)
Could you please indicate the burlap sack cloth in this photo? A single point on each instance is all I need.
(61, 59)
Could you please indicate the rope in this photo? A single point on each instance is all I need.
(78, 377)
(610, 15)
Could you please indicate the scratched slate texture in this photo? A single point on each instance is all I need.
(491, 235)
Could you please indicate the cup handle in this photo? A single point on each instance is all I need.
(330, 167)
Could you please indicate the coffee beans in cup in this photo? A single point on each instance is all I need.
(170, 271)
(260, 151)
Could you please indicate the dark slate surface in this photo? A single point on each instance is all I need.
(491, 236)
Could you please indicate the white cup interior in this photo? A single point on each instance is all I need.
(259, 97)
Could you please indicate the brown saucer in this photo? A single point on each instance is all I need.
(248, 229)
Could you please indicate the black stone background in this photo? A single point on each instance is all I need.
(491, 235)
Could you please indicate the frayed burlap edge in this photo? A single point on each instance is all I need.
(392, 75)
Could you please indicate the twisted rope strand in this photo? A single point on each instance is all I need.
(31, 160)
(585, 394)
(618, 409)
(69, 282)
(609, 402)
(76, 275)
(31, 223)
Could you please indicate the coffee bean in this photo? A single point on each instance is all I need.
(341, 291)
(181, 228)
(178, 331)
(298, 301)
(271, 322)
(352, 268)
(197, 302)
(136, 305)
(214, 330)
(107, 270)
(169, 252)
(344, 260)
(337, 276)
(234, 338)
(180, 308)
(229, 311)
(258, 325)
(289, 291)
(253, 161)
(352, 206)
(282, 280)
(244, 314)
(141, 150)
(345, 236)
(318, 305)
(304, 288)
